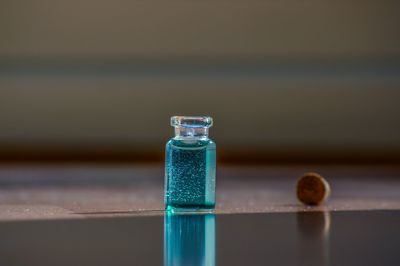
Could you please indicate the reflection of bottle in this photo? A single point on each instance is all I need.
(189, 239)
(190, 165)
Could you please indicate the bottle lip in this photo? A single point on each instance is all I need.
(192, 121)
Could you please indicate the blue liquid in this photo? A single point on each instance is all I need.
(189, 240)
(190, 174)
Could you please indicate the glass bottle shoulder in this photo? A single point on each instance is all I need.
(191, 143)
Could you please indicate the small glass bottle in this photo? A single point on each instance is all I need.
(190, 164)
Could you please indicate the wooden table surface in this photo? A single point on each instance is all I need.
(57, 191)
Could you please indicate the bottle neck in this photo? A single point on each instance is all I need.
(191, 133)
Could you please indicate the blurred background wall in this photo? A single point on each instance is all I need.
(284, 80)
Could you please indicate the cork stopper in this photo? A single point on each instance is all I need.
(312, 189)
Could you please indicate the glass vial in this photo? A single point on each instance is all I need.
(190, 164)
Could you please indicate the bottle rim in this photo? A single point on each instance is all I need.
(192, 121)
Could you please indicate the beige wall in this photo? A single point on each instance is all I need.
(187, 27)
(248, 113)
(274, 74)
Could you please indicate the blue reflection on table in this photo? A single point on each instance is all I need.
(189, 239)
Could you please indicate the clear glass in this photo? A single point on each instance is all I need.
(190, 165)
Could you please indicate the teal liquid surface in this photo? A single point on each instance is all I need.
(190, 174)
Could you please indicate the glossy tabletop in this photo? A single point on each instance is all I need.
(97, 214)
(303, 238)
